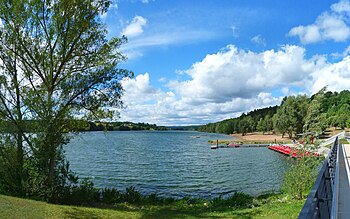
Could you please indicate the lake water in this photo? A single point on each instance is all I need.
(173, 163)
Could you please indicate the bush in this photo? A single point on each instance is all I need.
(111, 196)
(299, 180)
(84, 194)
(132, 196)
(238, 200)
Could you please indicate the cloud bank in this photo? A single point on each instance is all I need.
(230, 82)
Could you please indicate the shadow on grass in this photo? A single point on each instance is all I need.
(175, 213)
(168, 212)
(201, 213)
(80, 214)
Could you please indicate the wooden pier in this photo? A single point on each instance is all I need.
(240, 146)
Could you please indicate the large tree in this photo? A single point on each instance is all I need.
(315, 119)
(290, 116)
(56, 62)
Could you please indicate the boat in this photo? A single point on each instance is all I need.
(293, 152)
(234, 145)
(213, 147)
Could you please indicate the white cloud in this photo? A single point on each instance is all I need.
(136, 46)
(147, 104)
(336, 76)
(225, 84)
(138, 87)
(332, 25)
(234, 73)
(341, 7)
(135, 28)
(168, 38)
(307, 34)
(258, 39)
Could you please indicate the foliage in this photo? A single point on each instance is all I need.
(296, 114)
(299, 180)
(315, 118)
(265, 124)
(290, 115)
(55, 62)
(121, 126)
(238, 200)
(243, 124)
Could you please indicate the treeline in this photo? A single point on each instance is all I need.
(73, 125)
(243, 124)
(185, 128)
(296, 114)
(120, 126)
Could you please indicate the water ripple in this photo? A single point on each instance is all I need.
(173, 164)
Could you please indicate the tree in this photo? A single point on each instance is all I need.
(291, 114)
(261, 126)
(315, 121)
(246, 125)
(66, 66)
(268, 123)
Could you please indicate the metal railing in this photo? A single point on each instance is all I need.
(320, 200)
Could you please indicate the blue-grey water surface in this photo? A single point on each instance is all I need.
(173, 163)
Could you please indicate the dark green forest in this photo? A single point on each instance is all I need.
(118, 126)
(296, 114)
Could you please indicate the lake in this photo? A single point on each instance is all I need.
(174, 163)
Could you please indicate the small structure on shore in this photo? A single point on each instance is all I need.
(215, 146)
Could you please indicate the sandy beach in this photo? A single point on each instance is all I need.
(260, 137)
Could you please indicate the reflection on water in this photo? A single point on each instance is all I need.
(173, 163)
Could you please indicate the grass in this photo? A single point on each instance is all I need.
(266, 206)
(343, 141)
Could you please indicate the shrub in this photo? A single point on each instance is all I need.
(84, 194)
(111, 196)
(237, 200)
(299, 180)
(132, 196)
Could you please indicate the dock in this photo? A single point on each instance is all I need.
(239, 146)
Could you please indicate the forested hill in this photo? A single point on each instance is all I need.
(296, 114)
(119, 126)
(239, 124)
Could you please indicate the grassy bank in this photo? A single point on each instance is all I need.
(268, 206)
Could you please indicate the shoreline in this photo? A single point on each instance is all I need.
(254, 138)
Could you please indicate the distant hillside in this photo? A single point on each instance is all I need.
(296, 114)
(120, 126)
(235, 125)
(185, 128)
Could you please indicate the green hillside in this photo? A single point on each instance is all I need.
(264, 207)
(296, 114)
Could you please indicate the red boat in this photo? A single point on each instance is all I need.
(234, 145)
(291, 151)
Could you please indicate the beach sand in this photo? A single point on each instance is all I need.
(258, 137)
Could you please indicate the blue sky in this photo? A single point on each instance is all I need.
(202, 61)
